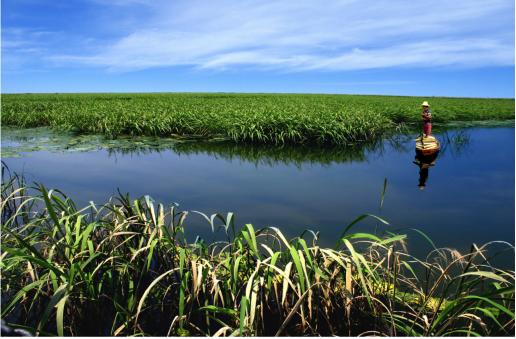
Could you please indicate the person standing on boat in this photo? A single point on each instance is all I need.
(427, 119)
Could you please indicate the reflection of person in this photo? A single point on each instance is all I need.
(424, 162)
(423, 175)
(427, 119)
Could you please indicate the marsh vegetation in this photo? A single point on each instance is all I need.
(256, 118)
(130, 267)
(125, 268)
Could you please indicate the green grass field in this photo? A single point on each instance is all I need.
(262, 118)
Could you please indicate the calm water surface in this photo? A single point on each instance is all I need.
(468, 196)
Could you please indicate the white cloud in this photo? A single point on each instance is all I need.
(312, 35)
(21, 47)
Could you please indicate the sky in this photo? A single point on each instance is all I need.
(459, 48)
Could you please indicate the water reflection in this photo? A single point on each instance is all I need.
(424, 162)
(471, 187)
(263, 155)
(17, 142)
(455, 142)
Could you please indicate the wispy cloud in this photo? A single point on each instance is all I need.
(309, 35)
(22, 47)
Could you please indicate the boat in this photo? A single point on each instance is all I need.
(427, 145)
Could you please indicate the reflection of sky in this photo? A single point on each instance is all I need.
(469, 195)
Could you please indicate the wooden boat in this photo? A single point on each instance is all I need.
(427, 145)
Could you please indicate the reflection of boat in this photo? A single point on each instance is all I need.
(427, 145)
(424, 163)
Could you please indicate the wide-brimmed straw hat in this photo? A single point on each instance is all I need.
(425, 103)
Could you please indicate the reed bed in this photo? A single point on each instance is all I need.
(250, 118)
(125, 268)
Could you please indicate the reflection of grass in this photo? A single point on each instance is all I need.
(42, 139)
(456, 142)
(287, 154)
(125, 268)
(251, 118)
(454, 138)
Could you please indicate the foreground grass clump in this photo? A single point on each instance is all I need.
(125, 268)
(262, 118)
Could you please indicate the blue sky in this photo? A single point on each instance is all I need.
(422, 48)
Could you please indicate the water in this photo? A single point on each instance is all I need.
(468, 196)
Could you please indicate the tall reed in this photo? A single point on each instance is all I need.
(126, 268)
(250, 118)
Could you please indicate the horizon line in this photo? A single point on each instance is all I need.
(271, 93)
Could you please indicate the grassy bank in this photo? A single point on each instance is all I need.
(264, 118)
(125, 268)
